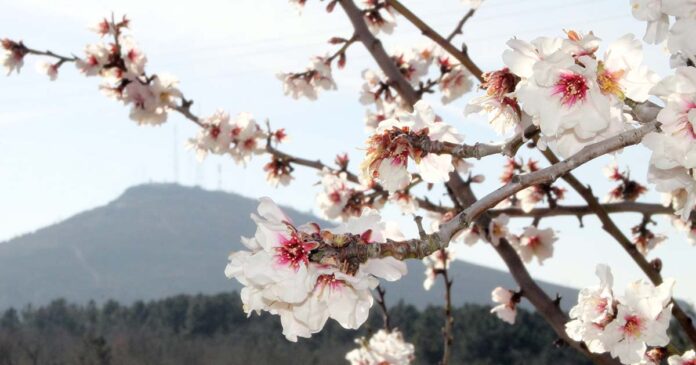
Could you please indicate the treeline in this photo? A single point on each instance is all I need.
(212, 329)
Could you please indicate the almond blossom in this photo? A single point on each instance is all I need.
(658, 22)
(280, 276)
(384, 347)
(623, 326)
(341, 199)
(535, 242)
(241, 137)
(379, 16)
(687, 358)
(506, 310)
(595, 309)
(12, 55)
(499, 103)
(308, 83)
(498, 228)
(49, 69)
(574, 97)
(642, 320)
(390, 149)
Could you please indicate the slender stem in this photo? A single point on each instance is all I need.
(460, 26)
(447, 330)
(386, 322)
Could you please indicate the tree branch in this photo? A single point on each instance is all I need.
(545, 175)
(646, 209)
(374, 46)
(427, 31)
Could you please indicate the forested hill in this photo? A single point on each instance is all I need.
(213, 330)
(159, 240)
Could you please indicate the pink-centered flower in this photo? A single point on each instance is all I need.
(383, 348)
(279, 275)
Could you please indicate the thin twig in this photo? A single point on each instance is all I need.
(460, 26)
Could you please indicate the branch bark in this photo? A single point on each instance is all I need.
(545, 175)
(374, 46)
(461, 56)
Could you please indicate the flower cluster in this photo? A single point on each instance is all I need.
(121, 65)
(12, 55)
(499, 103)
(680, 35)
(395, 141)
(529, 197)
(644, 238)
(384, 347)
(507, 301)
(688, 358)
(673, 151)
(307, 84)
(434, 265)
(241, 137)
(455, 79)
(627, 190)
(379, 16)
(575, 97)
(342, 199)
(284, 272)
(623, 326)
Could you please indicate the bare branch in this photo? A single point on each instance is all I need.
(427, 31)
(646, 209)
(460, 26)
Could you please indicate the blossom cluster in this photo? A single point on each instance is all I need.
(284, 272)
(342, 199)
(627, 190)
(575, 96)
(623, 326)
(532, 242)
(307, 84)
(240, 137)
(383, 347)
(679, 36)
(453, 80)
(528, 198)
(395, 142)
(673, 151)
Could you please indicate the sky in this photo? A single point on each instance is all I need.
(65, 148)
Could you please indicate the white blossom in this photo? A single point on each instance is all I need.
(389, 150)
(308, 83)
(535, 242)
(687, 358)
(506, 310)
(279, 277)
(384, 347)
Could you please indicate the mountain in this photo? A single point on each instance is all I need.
(159, 240)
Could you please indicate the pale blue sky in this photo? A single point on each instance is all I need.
(65, 148)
